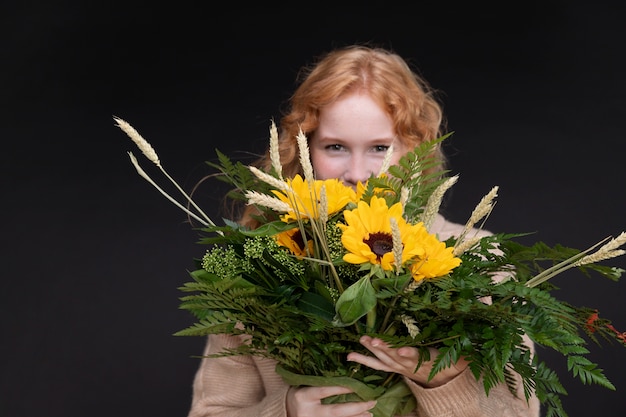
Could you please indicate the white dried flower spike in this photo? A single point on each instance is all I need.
(141, 143)
(150, 153)
(413, 285)
(483, 208)
(265, 177)
(463, 246)
(305, 157)
(386, 161)
(411, 325)
(435, 199)
(404, 197)
(274, 151)
(397, 245)
(323, 215)
(264, 200)
(608, 251)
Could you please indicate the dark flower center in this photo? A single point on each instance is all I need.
(298, 239)
(379, 243)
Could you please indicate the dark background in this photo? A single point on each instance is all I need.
(92, 256)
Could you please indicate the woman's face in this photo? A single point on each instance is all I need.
(352, 139)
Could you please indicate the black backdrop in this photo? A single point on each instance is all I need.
(92, 256)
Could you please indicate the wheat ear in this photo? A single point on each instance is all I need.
(274, 151)
(434, 201)
(147, 149)
(483, 208)
(305, 157)
(386, 161)
(607, 251)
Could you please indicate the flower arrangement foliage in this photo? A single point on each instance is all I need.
(329, 264)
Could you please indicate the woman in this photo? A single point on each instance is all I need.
(353, 105)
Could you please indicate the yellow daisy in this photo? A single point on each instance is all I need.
(367, 234)
(304, 198)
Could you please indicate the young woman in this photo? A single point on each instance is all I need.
(353, 104)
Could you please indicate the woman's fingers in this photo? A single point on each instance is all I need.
(307, 402)
(404, 361)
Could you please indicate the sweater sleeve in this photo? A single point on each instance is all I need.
(465, 396)
(236, 386)
(243, 386)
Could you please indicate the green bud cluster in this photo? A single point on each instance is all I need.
(222, 262)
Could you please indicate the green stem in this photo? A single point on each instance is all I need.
(557, 269)
(393, 303)
(371, 320)
(143, 174)
(189, 199)
(388, 314)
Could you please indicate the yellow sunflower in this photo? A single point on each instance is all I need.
(367, 234)
(437, 260)
(293, 240)
(304, 198)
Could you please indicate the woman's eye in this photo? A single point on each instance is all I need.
(334, 147)
(381, 148)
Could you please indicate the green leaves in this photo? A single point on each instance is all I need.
(317, 305)
(355, 302)
(588, 372)
(361, 389)
(307, 313)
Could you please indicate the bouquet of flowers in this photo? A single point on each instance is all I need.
(330, 263)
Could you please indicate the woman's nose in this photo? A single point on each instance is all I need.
(356, 170)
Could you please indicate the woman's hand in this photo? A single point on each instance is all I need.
(307, 402)
(403, 361)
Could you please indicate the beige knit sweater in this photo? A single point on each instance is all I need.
(246, 386)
